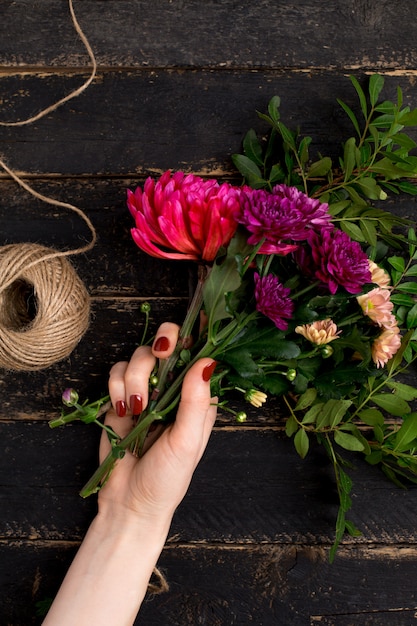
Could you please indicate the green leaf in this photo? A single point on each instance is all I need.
(369, 187)
(291, 426)
(301, 442)
(401, 390)
(351, 115)
(361, 95)
(273, 108)
(222, 279)
(369, 232)
(397, 262)
(303, 149)
(407, 433)
(401, 299)
(353, 231)
(352, 529)
(320, 168)
(348, 441)
(371, 417)
(311, 415)
(411, 320)
(412, 271)
(306, 399)
(331, 413)
(252, 147)
(410, 288)
(249, 170)
(376, 83)
(349, 157)
(392, 404)
(286, 135)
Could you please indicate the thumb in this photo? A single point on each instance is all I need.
(196, 412)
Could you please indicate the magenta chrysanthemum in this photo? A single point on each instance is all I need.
(338, 261)
(285, 214)
(183, 216)
(272, 299)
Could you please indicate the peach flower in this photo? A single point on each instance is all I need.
(320, 332)
(376, 304)
(379, 276)
(386, 345)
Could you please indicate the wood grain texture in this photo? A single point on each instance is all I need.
(290, 585)
(217, 33)
(178, 86)
(156, 120)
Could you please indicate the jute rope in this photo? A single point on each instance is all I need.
(44, 306)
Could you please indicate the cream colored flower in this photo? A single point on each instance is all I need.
(256, 397)
(379, 276)
(376, 304)
(386, 345)
(320, 333)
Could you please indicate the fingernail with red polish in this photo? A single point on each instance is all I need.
(121, 408)
(136, 404)
(161, 344)
(208, 371)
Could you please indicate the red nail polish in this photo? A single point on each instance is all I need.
(121, 408)
(208, 371)
(136, 404)
(161, 344)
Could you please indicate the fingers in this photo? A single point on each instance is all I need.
(128, 382)
(165, 340)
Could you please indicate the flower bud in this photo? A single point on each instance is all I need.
(291, 374)
(145, 307)
(255, 397)
(241, 417)
(154, 380)
(326, 351)
(70, 397)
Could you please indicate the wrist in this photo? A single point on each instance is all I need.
(120, 521)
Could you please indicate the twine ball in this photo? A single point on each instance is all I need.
(44, 307)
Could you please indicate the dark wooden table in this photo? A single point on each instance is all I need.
(178, 85)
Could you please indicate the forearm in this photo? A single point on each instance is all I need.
(108, 578)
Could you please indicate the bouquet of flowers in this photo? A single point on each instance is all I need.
(304, 291)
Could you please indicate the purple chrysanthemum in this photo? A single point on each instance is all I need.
(339, 261)
(272, 299)
(285, 214)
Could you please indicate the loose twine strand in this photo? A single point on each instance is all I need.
(74, 93)
(44, 305)
(55, 253)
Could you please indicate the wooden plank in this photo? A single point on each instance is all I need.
(132, 123)
(301, 34)
(251, 488)
(218, 585)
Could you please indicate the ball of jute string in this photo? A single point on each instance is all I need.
(44, 307)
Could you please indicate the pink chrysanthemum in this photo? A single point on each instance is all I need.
(272, 299)
(285, 214)
(183, 217)
(376, 304)
(385, 346)
(339, 261)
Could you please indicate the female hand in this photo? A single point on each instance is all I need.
(155, 484)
